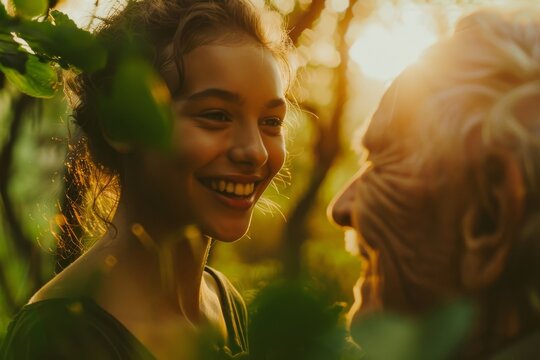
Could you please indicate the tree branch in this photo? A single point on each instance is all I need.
(326, 149)
(306, 20)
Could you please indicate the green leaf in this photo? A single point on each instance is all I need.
(16, 61)
(445, 329)
(39, 80)
(434, 336)
(387, 336)
(3, 13)
(11, 54)
(61, 19)
(290, 321)
(137, 109)
(64, 42)
(30, 8)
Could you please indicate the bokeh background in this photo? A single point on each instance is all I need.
(348, 52)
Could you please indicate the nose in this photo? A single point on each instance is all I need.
(248, 147)
(340, 208)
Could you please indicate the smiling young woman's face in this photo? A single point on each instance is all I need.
(227, 140)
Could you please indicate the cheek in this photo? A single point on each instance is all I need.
(276, 154)
(366, 214)
(193, 146)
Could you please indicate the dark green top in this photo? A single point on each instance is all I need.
(80, 329)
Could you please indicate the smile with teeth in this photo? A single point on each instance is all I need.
(231, 188)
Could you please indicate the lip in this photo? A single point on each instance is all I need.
(235, 203)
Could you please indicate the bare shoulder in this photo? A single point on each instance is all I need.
(82, 278)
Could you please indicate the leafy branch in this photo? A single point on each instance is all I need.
(306, 20)
(32, 50)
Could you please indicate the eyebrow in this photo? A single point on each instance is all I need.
(231, 97)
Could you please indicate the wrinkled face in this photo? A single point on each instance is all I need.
(407, 232)
(227, 142)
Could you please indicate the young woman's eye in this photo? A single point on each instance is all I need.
(216, 116)
(273, 121)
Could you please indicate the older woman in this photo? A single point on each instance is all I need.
(448, 202)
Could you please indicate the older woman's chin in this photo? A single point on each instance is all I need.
(366, 299)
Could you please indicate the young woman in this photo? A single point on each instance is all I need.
(143, 290)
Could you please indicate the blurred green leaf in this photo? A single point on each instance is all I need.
(433, 336)
(445, 329)
(3, 12)
(290, 320)
(30, 8)
(39, 79)
(137, 109)
(387, 336)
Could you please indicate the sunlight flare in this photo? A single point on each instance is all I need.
(394, 40)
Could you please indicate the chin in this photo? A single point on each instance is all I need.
(228, 234)
(231, 228)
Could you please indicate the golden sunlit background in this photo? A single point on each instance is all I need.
(381, 38)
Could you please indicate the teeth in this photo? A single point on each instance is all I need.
(229, 187)
(238, 189)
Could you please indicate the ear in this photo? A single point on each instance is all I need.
(491, 219)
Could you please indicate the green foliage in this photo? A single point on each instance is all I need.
(39, 79)
(45, 43)
(3, 12)
(292, 320)
(30, 8)
(60, 39)
(136, 110)
(433, 336)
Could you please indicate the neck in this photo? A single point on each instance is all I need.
(154, 267)
(505, 316)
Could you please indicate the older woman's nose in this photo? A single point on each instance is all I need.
(340, 209)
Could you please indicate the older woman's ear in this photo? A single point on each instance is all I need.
(491, 220)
